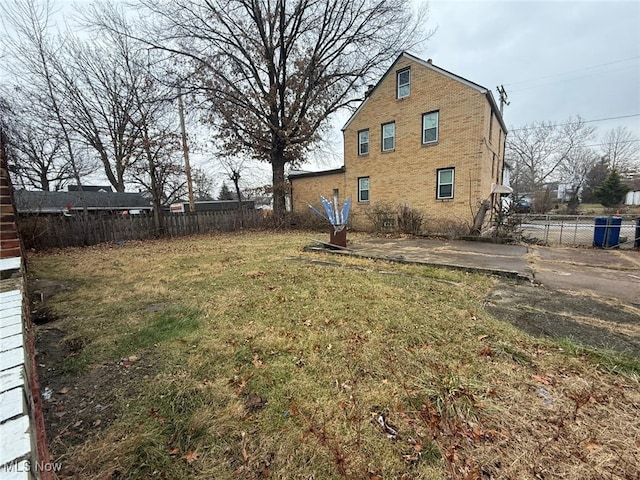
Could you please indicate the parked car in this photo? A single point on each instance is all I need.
(522, 206)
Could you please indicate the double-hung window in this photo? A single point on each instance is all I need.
(363, 142)
(445, 183)
(430, 127)
(403, 82)
(388, 136)
(363, 189)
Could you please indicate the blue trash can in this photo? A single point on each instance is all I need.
(606, 233)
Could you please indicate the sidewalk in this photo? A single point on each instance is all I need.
(503, 260)
(612, 274)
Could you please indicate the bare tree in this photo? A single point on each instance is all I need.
(35, 148)
(621, 149)
(539, 152)
(100, 86)
(574, 173)
(235, 168)
(202, 184)
(273, 72)
(35, 62)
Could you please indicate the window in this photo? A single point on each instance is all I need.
(363, 142)
(430, 127)
(363, 189)
(403, 80)
(445, 183)
(388, 136)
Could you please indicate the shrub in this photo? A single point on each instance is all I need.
(382, 216)
(297, 221)
(409, 220)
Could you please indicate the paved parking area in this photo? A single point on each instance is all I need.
(613, 274)
(588, 295)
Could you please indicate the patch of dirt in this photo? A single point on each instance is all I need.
(40, 290)
(549, 313)
(78, 406)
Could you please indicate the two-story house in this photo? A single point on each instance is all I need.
(423, 137)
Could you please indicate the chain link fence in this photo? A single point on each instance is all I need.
(619, 231)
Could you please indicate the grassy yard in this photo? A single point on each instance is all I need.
(242, 356)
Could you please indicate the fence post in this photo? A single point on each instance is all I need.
(561, 228)
(547, 226)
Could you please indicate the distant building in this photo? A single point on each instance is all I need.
(90, 188)
(211, 206)
(67, 203)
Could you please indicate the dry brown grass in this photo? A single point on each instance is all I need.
(271, 362)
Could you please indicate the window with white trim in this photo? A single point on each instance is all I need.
(430, 127)
(388, 136)
(363, 189)
(403, 81)
(363, 142)
(446, 178)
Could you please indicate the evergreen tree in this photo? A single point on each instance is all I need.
(225, 193)
(611, 191)
(594, 179)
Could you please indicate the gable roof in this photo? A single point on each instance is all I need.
(429, 65)
(57, 202)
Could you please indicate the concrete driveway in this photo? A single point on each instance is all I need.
(613, 274)
(586, 295)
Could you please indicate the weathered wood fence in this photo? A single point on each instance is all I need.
(43, 232)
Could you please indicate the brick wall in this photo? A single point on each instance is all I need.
(306, 190)
(9, 243)
(408, 174)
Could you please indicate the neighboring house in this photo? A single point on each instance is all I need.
(90, 188)
(633, 181)
(632, 198)
(211, 206)
(424, 137)
(67, 203)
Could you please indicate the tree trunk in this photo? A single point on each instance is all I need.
(279, 185)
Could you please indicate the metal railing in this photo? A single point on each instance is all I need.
(579, 230)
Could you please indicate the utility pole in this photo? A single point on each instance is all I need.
(503, 98)
(185, 151)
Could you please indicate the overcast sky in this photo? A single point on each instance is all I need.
(555, 59)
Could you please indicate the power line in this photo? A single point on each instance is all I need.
(575, 123)
(602, 144)
(590, 67)
(572, 78)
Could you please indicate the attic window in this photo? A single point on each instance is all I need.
(403, 80)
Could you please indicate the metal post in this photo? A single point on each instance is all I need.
(185, 151)
(547, 226)
(575, 231)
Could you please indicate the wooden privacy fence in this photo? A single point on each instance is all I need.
(42, 232)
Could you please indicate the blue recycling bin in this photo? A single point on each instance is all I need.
(606, 233)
